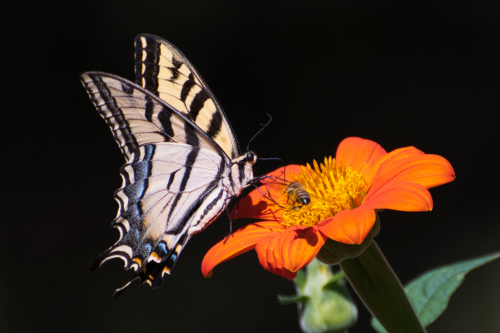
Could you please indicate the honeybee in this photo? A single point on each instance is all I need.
(299, 194)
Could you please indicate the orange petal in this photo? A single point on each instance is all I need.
(409, 165)
(240, 241)
(270, 257)
(299, 246)
(257, 205)
(349, 226)
(426, 170)
(408, 197)
(388, 159)
(357, 152)
(268, 254)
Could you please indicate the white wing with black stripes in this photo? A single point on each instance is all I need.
(182, 162)
(136, 117)
(163, 70)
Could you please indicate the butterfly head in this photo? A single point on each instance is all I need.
(250, 158)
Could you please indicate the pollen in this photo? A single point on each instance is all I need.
(332, 188)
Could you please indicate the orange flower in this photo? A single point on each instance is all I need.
(345, 194)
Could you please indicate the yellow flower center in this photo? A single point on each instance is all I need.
(332, 188)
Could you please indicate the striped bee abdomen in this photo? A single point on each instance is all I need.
(298, 193)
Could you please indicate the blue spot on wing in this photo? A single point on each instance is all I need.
(141, 170)
(145, 250)
(149, 152)
(162, 249)
(135, 191)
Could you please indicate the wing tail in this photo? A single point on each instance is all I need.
(119, 291)
(161, 262)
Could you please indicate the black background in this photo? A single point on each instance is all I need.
(420, 73)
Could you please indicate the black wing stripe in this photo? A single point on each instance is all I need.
(191, 158)
(149, 108)
(197, 104)
(166, 124)
(147, 65)
(171, 180)
(187, 87)
(215, 126)
(125, 137)
(211, 206)
(127, 89)
(191, 140)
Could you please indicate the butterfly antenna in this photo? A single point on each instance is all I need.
(271, 159)
(260, 131)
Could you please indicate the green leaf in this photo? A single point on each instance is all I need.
(430, 293)
(285, 300)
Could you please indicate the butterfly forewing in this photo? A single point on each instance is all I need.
(162, 69)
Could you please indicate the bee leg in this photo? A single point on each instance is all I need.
(296, 207)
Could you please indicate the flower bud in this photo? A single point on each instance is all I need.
(324, 303)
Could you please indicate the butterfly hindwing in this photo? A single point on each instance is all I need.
(163, 188)
(162, 69)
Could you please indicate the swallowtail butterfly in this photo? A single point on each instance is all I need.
(183, 164)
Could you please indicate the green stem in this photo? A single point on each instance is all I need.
(379, 288)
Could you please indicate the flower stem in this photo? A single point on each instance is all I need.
(379, 288)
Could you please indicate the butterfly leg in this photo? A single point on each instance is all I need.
(231, 220)
(268, 196)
